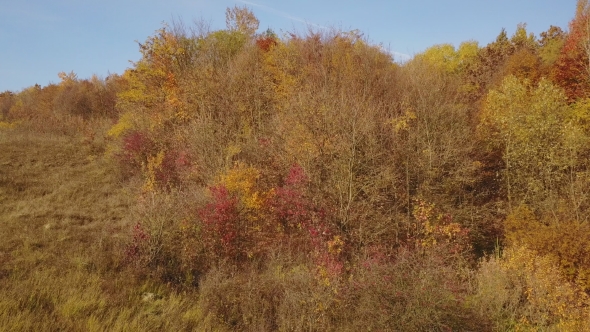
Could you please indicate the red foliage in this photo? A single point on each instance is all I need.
(228, 233)
(173, 163)
(136, 148)
(135, 249)
(220, 224)
(289, 206)
(182, 159)
(296, 176)
(572, 68)
(265, 43)
(264, 142)
(136, 143)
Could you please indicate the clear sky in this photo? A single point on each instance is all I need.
(39, 38)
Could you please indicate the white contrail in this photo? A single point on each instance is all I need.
(282, 14)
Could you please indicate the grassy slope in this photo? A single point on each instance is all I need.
(63, 217)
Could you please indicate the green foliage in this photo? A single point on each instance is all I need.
(551, 43)
(521, 39)
(225, 44)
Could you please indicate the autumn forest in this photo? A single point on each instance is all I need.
(248, 181)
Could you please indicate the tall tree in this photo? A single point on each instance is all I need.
(550, 44)
(241, 19)
(572, 69)
(540, 143)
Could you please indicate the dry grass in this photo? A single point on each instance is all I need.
(64, 218)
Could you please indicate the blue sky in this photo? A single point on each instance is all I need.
(39, 38)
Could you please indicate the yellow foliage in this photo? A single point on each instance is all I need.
(402, 122)
(152, 97)
(241, 19)
(137, 89)
(124, 124)
(241, 181)
(335, 245)
(153, 164)
(527, 124)
(67, 78)
(520, 226)
(550, 298)
(300, 142)
(568, 242)
(231, 151)
(444, 56)
(7, 125)
(279, 66)
(435, 227)
(581, 113)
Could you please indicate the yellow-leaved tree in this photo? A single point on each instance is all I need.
(540, 143)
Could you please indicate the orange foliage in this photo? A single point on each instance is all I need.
(572, 68)
(567, 242)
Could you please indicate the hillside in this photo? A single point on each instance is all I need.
(64, 220)
(236, 180)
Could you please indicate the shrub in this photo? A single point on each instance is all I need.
(280, 296)
(523, 290)
(136, 148)
(221, 231)
(410, 290)
(567, 242)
